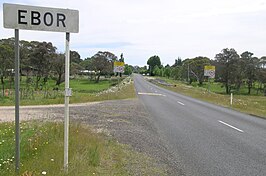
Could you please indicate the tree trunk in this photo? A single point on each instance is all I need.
(249, 87)
(58, 82)
(38, 78)
(227, 88)
(98, 78)
(3, 85)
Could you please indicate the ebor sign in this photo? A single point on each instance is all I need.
(40, 18)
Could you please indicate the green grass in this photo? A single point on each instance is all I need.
(83, 90)
(250, 104)
(89, 153)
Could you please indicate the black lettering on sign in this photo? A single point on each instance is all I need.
(21, 16)
(46, 22)
(61, 18)
(35, 18)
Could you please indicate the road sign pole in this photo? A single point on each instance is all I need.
(208, 84)
(66, 123)
(188, 73)
(17, 129)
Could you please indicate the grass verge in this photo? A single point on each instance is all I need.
(254, 105)
(83, 91)
(89, 153)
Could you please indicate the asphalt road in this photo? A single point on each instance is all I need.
(206, 139)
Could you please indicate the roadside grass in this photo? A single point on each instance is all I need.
(89, 153)
(250, 104)
(83, 90)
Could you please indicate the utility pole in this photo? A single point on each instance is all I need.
(188, 73)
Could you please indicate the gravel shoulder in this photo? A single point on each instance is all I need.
(125, 120)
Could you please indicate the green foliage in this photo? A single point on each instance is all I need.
(128, 69)
(152, 62)
(167, 72)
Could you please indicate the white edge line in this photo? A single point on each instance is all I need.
(231, 126)
(181, 103)
(152, 94)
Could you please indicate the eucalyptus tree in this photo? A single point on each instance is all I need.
(228, 61)
(250, 67)
(6, 62)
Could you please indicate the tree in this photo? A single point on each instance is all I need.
(152, 62)
(197, 67)
(156, 71)
(175, 72)
(178, 62)
(250, 68)
(228, 60)
(262, 61)
(58, 64)
(128, 69)
(102, 63)
(167, 71)
(40, 60)
(75, 57)
(6, 60)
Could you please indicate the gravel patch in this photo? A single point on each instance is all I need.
(125, 120)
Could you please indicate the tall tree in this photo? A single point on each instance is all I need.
(167, 71)
(75, 57)
(262, 62)
(152, 62)
(250, 68)
(58, 63)
(40, 59)
(128, 69)
(197, 67)
(228, 59)
(102, 63)
(178, 62)
(156, 71)
(6, 60)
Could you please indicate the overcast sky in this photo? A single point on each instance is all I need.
(168, 28)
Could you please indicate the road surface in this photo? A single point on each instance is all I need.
(206, 139)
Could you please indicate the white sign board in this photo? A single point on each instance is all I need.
(119, 69)
(40, 18)
(209, 71)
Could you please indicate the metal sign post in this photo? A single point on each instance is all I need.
(67, 95)
(17, 129)
(42, 19)
(209, 71)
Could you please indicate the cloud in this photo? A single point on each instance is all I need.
(169, 28)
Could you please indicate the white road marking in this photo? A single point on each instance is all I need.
(181, 103)
(231, 126)
(152, 94)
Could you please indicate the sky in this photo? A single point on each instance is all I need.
(168, 28)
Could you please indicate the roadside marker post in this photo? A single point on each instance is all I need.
(43, 19)
(231, 99)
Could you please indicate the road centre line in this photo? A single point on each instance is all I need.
(152, 94)
(231, 126)
(181, 103)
